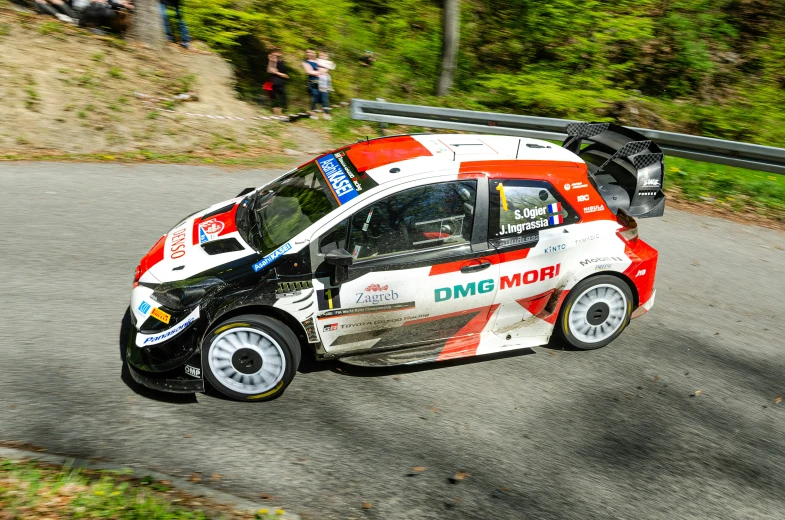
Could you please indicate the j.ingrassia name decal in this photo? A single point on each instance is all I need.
(340, 183)
(272, 257)
(507, 229)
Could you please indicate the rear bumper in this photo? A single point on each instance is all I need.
(643, 309)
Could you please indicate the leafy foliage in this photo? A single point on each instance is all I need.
(713, 67)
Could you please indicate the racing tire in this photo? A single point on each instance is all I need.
(595, 312)
(250, 357)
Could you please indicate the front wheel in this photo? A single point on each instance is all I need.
(250, 358)
(595, 312)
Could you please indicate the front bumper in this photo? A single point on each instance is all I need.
(184, 385)
(174, 365)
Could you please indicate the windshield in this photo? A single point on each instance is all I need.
(270, 217)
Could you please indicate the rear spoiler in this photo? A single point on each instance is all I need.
(625, 167)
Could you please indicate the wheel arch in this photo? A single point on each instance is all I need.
(623, 277)
(267, 310)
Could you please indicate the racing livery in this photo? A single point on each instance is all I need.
(398, 250)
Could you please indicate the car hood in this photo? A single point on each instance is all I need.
(203, 241)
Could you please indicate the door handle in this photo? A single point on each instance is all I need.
(475, 268)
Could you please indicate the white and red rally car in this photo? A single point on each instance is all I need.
(400, 250)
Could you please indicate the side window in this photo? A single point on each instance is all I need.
(523, 208)
(417, 218)
(335, 238)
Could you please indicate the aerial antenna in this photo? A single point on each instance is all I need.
(518, 149)
(367, 141)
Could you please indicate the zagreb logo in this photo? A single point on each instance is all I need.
(376, 287)
(212, 226)
(383, 295)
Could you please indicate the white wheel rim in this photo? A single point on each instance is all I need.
(243, 342)
(588, 308)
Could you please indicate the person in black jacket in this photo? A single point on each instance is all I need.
(276, 69)
(174, 4)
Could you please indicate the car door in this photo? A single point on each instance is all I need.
(423, 272)
(529, 224)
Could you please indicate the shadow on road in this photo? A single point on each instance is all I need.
(166, 397)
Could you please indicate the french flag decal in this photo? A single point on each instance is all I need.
(554, 208)
(555, 219)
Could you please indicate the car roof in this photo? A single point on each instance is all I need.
(389, 159)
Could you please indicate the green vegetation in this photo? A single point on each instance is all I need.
(736, 189)
(30, 490)
(712, 68)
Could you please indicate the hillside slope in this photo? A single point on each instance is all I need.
(64, 90)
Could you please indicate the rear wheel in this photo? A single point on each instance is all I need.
(595, 312)
(250, 358)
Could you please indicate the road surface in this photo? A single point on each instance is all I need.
(676, 419)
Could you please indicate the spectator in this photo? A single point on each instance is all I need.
(311, 68)
(113, 15)
(276, 69)
(324, 61)
(325, 86)
(174, 4)
(57, 8)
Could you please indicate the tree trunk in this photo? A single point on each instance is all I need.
(451, 18)
(146, 23)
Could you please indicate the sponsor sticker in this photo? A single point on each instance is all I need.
(593, 209)
(654, 183)
(376, 287)
(528, 277)
(328, 299)
(602, 267)
(143, 340)
(556, 248)
(161, 315)
(209, 229)
(575, 186)
(177, 248)
(272, 257)
(589, 261)
(583, 198)
(647, 193)
(144, 307)
(516, 241)
(640, 273)
(377, 298)
(193, 371)
(337, 177)
(367, 310)
(330, 327)
(587, 239)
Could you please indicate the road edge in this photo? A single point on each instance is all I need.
(197, 490)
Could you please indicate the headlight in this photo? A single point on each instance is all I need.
(185, 293)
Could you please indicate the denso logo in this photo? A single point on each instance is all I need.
(583, 198)
(590, 261)
(536, 275)
(463, 291)
(373, 299)
(553, 249)
(178, 244)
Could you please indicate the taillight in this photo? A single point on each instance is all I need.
(629, 228)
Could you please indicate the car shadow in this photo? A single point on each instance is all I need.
(143, 391)
(359, 371)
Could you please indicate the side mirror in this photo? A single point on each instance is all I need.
(341, 259)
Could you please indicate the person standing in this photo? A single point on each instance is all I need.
(276, 69)
(311, 68)
(325, 86)
(174, 4)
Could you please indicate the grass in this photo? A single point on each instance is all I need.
(736, 189)
(31, 490)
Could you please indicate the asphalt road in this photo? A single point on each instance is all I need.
(615, 433)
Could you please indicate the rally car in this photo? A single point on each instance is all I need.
(399, 250)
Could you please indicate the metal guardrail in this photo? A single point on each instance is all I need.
(707, 149)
